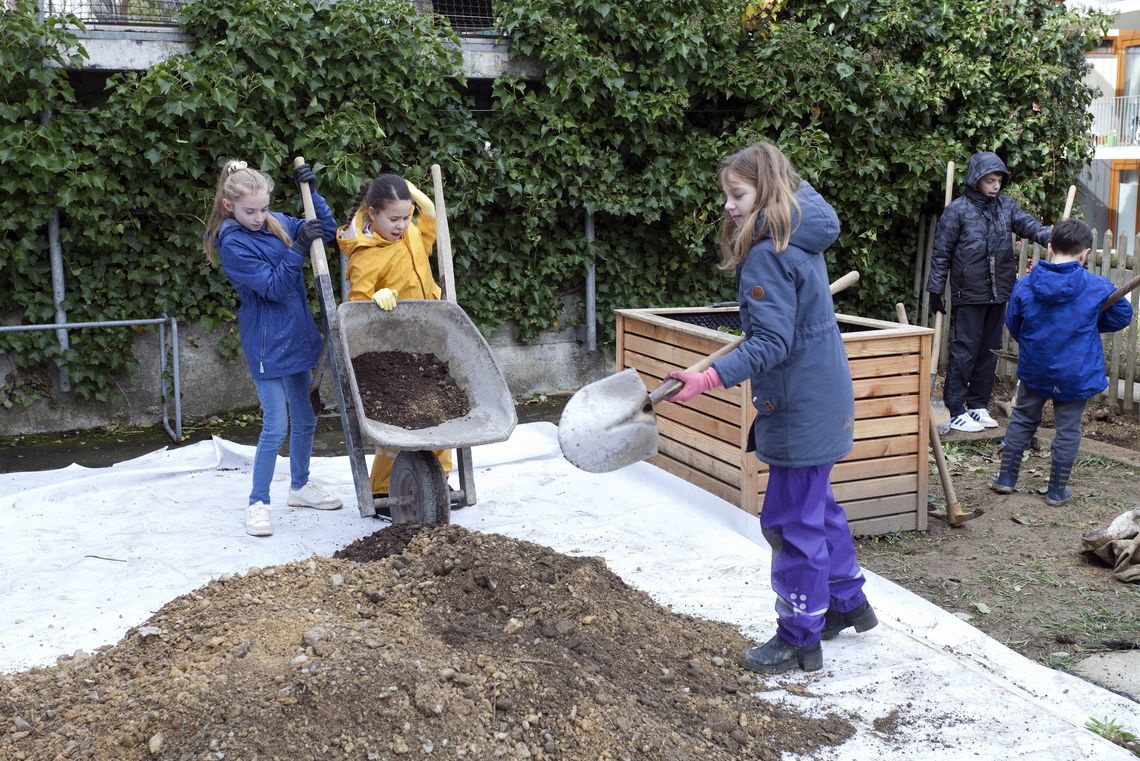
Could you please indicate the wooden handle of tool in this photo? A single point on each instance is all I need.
(1069, 201)
(900, 314)
(949, 183)
(317, 248)
(953, 509)
(936, 348)
(1120, 293)
(443, 237)
(671, 386)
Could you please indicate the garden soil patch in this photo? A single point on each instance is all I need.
(408, 389)
(412, 643)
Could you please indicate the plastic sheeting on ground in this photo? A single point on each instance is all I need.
(89, 553)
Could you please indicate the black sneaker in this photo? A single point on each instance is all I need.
(777, 656)
(862, 618)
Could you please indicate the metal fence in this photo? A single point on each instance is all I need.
(467, 17)
(1112, 256)
(1116, 121)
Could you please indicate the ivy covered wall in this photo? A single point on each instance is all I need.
(638, 103)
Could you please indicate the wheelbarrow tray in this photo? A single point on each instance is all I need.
(441, 328)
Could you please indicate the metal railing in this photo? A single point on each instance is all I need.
(467, 17)
(1116, 121)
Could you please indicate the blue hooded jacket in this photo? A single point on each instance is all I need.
(1054, 315)
(793, 352)
(973, 244)
(278, 333)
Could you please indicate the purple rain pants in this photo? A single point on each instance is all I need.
(813, 557)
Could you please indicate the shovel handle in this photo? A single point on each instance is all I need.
(672, 386)
(317, 248)
(1120, 293)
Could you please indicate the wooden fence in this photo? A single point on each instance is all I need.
(1117, 262)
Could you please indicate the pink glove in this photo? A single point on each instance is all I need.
(695, 383)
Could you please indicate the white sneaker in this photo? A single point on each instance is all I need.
(257, 520)
(966, 424)
(315, 496)
(982, 415)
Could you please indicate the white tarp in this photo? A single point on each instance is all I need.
(88, 553)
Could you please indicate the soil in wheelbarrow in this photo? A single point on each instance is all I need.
(414, 642)
(408, 389)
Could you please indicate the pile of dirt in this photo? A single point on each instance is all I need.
(415, 642)
(408, 389)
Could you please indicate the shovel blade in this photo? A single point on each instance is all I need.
(609, 424)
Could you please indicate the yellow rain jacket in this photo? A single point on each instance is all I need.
(402, 265)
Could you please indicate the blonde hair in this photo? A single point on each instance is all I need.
(768, 170)
(236, 181)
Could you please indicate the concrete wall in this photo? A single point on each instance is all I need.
(557, 363)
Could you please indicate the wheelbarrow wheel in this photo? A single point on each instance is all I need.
(418, 486)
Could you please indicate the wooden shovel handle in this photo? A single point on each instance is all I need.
(317, 248)
(1120, 293)
(672, 386)
(1069, 201)
(949, 183)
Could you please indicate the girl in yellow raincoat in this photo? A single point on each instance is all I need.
(387, 255)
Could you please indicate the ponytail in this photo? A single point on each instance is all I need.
(235, 181)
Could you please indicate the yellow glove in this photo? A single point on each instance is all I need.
(385, 298)
(427, 208)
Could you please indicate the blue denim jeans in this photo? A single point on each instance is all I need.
(282, 399)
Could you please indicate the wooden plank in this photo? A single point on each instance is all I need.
(726, 492)
(682, 414)
(876, 506)
(709, 404)
(888, 386)
(878, 367)
(886, 426)
(875, 487)
(653, 317)
(887, 406)
(704, 344)
(911, 344)
(729, 452)
(729, 473)
(866, 449)
(669, 354)
(887, 524)
(619, 347)
(659, 369)
(860, 471)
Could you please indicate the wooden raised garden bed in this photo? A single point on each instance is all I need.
(881, 484)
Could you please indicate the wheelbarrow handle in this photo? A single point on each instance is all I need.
(671, 386)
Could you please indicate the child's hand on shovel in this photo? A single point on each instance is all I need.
(694, 384)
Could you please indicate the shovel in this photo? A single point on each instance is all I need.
(610, 423)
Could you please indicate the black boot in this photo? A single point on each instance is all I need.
(862, 618)
(1010, 468)
(777, 656)
(1059, 493)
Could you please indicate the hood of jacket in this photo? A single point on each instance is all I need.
(982, 164)
(1057, 283)
(815, 225)
(355, 236)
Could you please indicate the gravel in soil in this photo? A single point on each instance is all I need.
(1018, 573)
(413, 642)
(408, 389)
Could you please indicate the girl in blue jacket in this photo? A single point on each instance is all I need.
(774, 234)
(263, 254)
(1055, 316)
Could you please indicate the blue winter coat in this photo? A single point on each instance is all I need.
(278, 333)
(973, 242)
(1055, 317)
(793, 352)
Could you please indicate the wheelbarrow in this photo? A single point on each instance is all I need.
(418, 490)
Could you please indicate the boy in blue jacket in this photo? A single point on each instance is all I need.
(1055, 316)
(973, 253)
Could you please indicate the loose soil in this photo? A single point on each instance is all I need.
(408, 389)
(1017, 573)
(412, 642)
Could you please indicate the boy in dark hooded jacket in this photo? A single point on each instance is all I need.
(1055, 316)
(973, 245)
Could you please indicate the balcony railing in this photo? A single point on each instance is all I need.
(1116, 121)
(467, 17)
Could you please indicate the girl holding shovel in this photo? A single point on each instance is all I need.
(387, 255)
(774, 234)
(263, 254)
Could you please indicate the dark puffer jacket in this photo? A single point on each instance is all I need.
(974, 241)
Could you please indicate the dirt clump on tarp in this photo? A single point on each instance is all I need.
(408, 389)
(450, 644)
